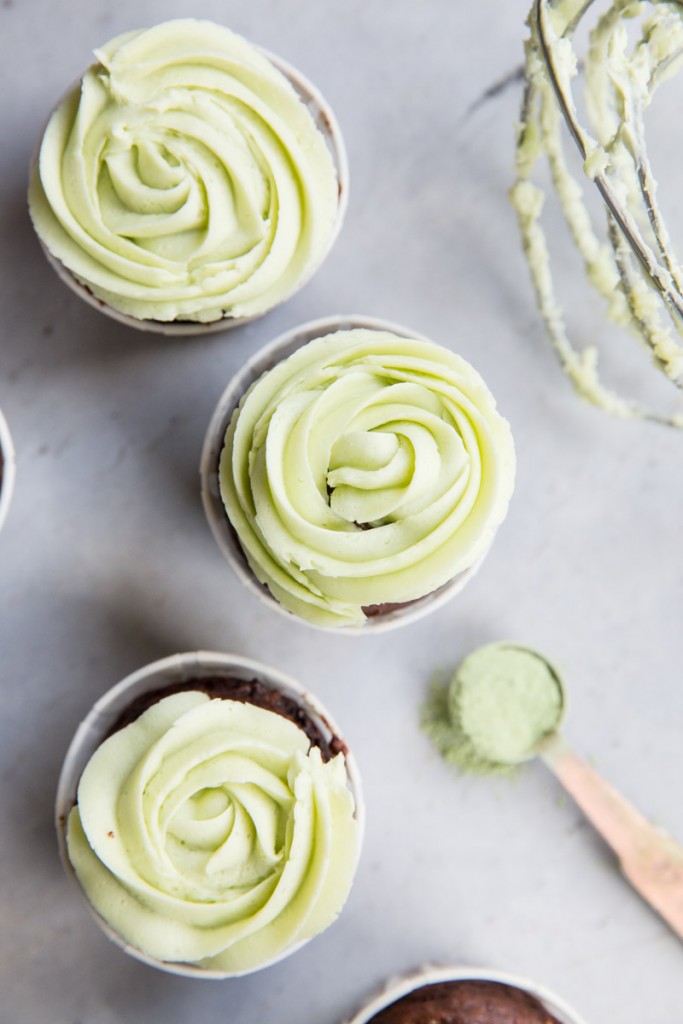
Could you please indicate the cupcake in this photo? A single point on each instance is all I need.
(189, 181)
(6, 469)
(211, 814)
(355, 474)
(461, 995)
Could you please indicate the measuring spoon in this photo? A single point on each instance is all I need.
(649, 858)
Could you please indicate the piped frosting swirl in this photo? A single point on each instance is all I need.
(184, 178)
(365, 469)
(206, 831)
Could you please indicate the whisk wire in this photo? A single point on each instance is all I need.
(638, 276)
(661, 277)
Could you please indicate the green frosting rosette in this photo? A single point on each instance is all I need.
(184, 179)
(208, 832)
(365, 469)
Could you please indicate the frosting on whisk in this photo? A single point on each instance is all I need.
(621, 79)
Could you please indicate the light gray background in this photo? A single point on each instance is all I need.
(106, 561)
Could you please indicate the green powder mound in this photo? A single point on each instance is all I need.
(500, 705)
(447, 736)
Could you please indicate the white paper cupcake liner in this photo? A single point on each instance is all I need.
(327, 123)
(399, 987)
(8, 469)
(259, 363)
(94, 728)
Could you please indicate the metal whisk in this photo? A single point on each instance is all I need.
(635, 270)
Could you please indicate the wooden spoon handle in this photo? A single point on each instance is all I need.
(651, 860)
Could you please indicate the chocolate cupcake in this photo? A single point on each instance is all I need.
(355, 474)
(7, 469)
(190, 181)
(211, 814)
(465, 996)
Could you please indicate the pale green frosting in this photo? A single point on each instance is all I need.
(365, 469)
(183, 178)
(207, 832)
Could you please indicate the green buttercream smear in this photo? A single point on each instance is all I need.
(208, 832)
(499, 707)
(365, 469)
(183, 178)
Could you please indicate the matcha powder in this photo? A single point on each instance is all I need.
(500, 705)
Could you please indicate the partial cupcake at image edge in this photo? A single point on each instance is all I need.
(7, 469)
(190, 181)
(354, 473)
(465, 995)
(211, 814)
